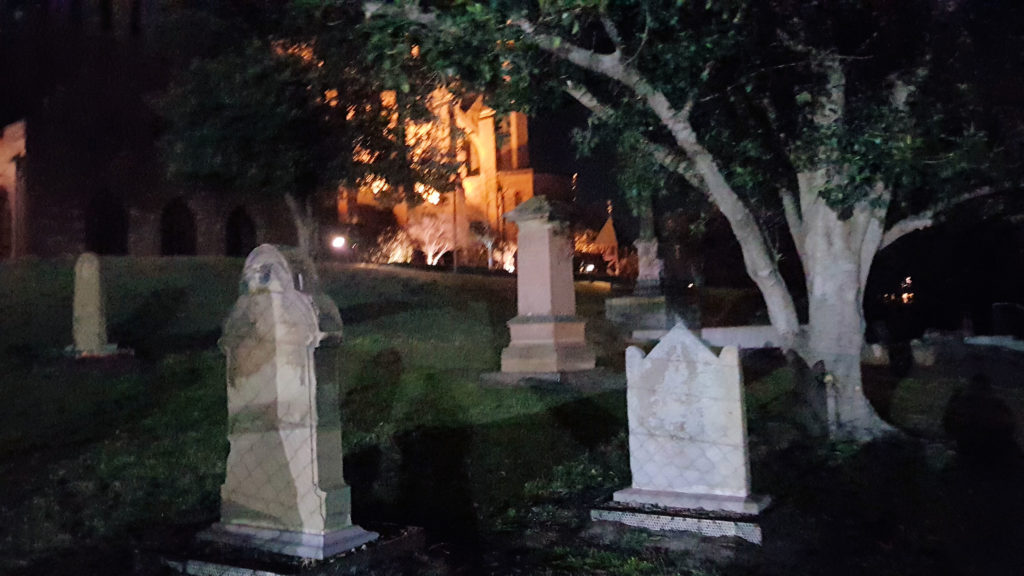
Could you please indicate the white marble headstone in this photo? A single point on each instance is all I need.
(687, 427)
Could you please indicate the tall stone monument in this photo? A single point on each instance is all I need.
(546, 335)
(284, 490)
(687, 438)
(89, 320)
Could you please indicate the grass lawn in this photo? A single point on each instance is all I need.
(99, 460)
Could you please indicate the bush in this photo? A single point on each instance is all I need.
(393, 246)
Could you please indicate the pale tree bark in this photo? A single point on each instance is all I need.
(305, 225)
(836, 253)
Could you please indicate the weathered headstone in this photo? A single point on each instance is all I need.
(546, 335)
(649, 268)
(89, 321)
(688, 435)
(284, 490)
(644, 314)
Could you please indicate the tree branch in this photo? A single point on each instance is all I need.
(612, 32)
(929, 217)
(409, 11)
(608, 65)
(794, 220)
(670, 161)
(757, 257)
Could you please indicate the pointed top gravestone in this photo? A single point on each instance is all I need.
(687, 427)
(284, 489)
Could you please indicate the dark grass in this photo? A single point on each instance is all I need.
(100, 460)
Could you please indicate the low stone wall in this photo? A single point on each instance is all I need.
(741, 336)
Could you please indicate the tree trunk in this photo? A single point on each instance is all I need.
(834, 335)
(305, 226)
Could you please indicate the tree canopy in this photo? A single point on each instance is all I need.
(290, 106)
(846, 123)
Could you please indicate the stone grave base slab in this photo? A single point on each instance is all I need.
(684, 501)
(666, 519)
(581, 380)
(216, 558)
(107, 351)
(646, 336)
(637, 313)
(299, 544)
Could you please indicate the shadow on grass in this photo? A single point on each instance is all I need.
(886, 508)
(453, 480)
(367, 311)
(147, 330)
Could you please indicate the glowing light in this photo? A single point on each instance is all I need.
(331, 97)
(690, 285)
(429, 194)
(907, 297)
(338, 242)
(509, 267)
(589, 268)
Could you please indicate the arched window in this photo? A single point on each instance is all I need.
(106, 225)
(5, 225)
(177, 229)
(239, 233)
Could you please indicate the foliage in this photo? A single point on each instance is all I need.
(833, 120)
(292, 107)
(486, 237)
(393, 246)
(255, 118)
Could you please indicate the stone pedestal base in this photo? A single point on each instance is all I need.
(681, 500)
(401, 544)
(299, 544)
(546, 344)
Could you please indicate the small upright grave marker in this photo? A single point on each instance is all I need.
(284, 490)
(644, 314)
(89, 320)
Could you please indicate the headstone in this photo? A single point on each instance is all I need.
(644, 314)
(687, 442)
(284, 490)
(687, 427)
(546, 335)
(649, 268)
(89, 321)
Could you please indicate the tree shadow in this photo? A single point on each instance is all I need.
(357, 313)
(145, 330)
(451, 480)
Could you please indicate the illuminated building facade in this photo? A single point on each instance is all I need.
(495, 173)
